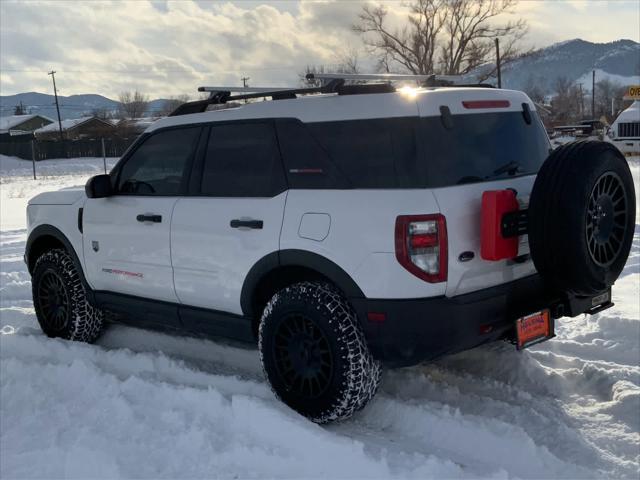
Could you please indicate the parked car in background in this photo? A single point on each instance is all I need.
(625, 130)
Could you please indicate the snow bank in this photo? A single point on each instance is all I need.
(148, 405)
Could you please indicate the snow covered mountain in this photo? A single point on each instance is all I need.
(73, 106)
(575, 59)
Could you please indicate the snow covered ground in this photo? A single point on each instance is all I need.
(148, 405)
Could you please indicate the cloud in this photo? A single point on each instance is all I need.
(163, 48)
(170, 47)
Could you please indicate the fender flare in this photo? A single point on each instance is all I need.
(296, 258)
(51, 231)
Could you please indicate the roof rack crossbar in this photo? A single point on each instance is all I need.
(223, 95)
(243, 89)
(425, 80)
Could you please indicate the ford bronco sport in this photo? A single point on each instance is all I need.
(342, 228)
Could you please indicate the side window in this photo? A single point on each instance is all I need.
(377, 153)
(242, 160)
(306, 163)
(158, 166)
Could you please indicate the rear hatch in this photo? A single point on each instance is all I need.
(477, 140)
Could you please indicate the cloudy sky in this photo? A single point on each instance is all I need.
(167, 48)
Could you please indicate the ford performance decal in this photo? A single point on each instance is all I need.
(115, 271)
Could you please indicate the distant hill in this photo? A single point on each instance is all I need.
(575, 59)
(73, 106)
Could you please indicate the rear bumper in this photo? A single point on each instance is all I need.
(416, 330)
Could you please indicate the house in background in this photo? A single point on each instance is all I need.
(21, 127)
(132, 127)
(76, 129)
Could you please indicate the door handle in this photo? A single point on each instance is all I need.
(149, 218)
(256, 224)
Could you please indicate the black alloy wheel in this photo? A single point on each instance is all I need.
(314, 352)
(54, 301)
(303, 356)
(606, 219)
(60, 298)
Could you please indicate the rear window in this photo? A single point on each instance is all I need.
(482, 147)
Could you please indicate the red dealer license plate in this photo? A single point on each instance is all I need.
(534, 328)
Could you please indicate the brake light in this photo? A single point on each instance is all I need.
(421, 246)
(486, 104)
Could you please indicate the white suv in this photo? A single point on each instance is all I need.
(341, 228)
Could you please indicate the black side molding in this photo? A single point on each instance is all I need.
(80, 210)
(40, 233)
(295, 258)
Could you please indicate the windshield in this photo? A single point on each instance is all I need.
(482, 147)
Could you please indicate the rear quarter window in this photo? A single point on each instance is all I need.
(375, 153)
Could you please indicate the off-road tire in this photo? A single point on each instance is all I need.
(78, 320)
(561, 217)
(355, 373)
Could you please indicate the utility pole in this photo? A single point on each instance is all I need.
(498, 63)
(593, 94)
(581, 102)
(55, 93)
(244, 84)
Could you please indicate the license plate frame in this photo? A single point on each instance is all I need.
(534, 328)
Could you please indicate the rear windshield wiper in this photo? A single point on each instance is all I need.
(511, 168)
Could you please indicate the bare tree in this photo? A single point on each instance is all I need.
(451, 37)
(171, 104)
(347, 61)
(102, 113)
(133, 105)
(411, 47)
(607, 95)
(470, 32)
(567, 104)
(20, 109)
(534, 89)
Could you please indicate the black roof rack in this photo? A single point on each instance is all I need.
(430, 80)
(220, 95)
(335, 83)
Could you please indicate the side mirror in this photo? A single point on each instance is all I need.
(99, 187)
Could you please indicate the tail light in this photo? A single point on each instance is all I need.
(421, 246)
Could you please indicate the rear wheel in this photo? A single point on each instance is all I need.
(60, 300)
(582, 217)
(314, 353)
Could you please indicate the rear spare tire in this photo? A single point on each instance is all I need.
(582, 217)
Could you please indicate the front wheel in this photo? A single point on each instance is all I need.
(60, 300)
(314, 353)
